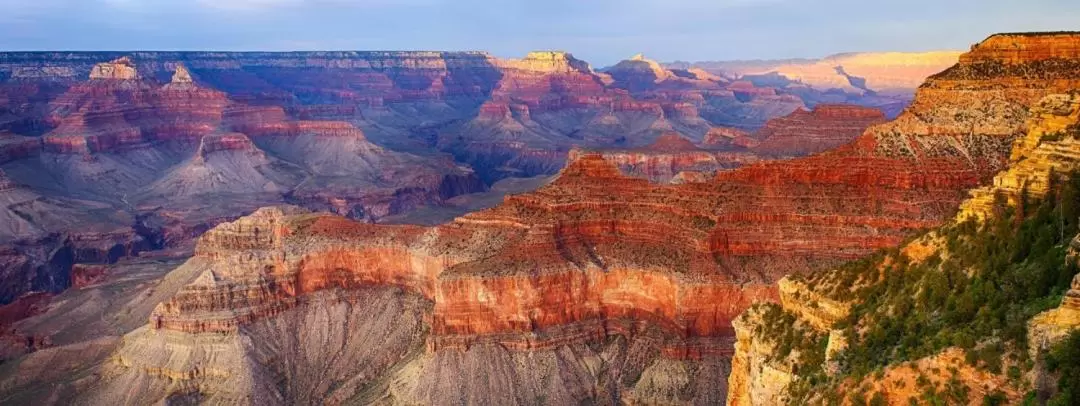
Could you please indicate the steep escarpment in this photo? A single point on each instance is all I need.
(1047, 150)
(808, 132)
(953, 315)
(671, 158)
(674, 158)
(976, 108)
(264, 267)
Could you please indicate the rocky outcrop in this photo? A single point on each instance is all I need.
(1024, 48)
(1050, 148)
(548, 62)
(102, 116)
(940, 122)
(1050, 327)
(809, 132)
(817, 310)
(181, 76)
(755, 379)
(638, 74)
(119, 69)
(477, 298)
(668, 157)
(488, 287)
(721, 137)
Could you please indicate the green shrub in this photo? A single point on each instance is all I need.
(1064, 360)
(977, 293)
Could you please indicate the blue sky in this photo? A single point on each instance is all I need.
(599, 31)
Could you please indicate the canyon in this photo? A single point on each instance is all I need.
(678, 199)
(110, 155)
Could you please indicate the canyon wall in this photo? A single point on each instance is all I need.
(149, 137)
(833, 206)
(1006, 79)
(805, 132)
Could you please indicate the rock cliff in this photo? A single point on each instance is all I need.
(1050, 327)
(1038, 160)
(671, 157)
(1019, 103)
(1050, 147)
(808, 132)
(119, 69)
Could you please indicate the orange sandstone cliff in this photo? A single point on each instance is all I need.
(1009, 78)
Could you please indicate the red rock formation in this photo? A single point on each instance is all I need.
(575, 258)
(23, 307)
(120, 69)
(668, 157)
(976, 108)
(14, 147)
(722, 137)
(499, 299)
(115, 110)
(1023, 48)
(808, 132)
(639, 74)
(594, 245)
(83, 275)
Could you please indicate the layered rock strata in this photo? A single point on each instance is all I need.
(748, 226)
(1039, 158)
(149, 156)
(671, 157)
(1050, 148)
(805, 132)
(970, 113)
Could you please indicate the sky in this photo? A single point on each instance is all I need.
(599, 31)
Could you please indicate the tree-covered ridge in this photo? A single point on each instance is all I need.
(976, 291)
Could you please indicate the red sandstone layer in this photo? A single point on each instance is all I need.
(596, 246)
(808, 132)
